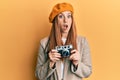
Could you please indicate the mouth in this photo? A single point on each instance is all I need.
(66, 26)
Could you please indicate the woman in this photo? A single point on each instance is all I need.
(53, 64)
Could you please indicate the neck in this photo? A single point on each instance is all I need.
(64, 35)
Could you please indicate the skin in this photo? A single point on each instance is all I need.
(64, 22)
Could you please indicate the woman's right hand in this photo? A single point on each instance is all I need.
(54, 56)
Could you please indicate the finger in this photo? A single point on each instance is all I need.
(73, 51)
(57, 56)
(53, 55)
(71, 57)
(54, 51)
(75, 59)
(55, 59)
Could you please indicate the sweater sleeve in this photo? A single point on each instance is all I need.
(43, 71)
(84, 68)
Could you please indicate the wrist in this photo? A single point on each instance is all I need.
(75, 63)
(52, 65)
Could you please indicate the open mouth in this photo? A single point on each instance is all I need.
(66, 26)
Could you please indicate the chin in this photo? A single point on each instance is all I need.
(65, 32)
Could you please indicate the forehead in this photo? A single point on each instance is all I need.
(66, 12)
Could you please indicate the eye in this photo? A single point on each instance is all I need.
(60, 16)
(69, 16)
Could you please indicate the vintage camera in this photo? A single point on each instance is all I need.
(64, 50)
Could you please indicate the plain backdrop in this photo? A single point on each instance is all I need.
(24, 22)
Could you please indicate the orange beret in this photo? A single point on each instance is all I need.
(58, 8)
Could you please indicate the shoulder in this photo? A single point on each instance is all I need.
(44, 41)
(81, 39)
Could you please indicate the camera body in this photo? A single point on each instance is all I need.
(64, 50)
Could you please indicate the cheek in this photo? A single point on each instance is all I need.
(70, 22)
(60, 23)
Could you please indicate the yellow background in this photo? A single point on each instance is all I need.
(24, 22)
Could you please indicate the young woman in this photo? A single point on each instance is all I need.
(53, 64)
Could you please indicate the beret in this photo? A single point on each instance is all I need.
(58, 8)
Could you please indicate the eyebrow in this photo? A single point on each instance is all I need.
(67, 13)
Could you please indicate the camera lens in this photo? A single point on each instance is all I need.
(65, 53)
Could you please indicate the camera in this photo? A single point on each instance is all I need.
(64, 50)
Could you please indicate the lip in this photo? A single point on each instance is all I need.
(65, 26)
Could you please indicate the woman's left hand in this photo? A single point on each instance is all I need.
(75, 57)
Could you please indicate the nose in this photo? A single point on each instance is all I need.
(65, 20)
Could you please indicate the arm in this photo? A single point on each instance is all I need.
(84, 68)
(43, 71)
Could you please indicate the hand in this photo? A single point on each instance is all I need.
(54, 56)
(75, 57)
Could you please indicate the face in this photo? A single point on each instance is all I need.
(65, 21)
